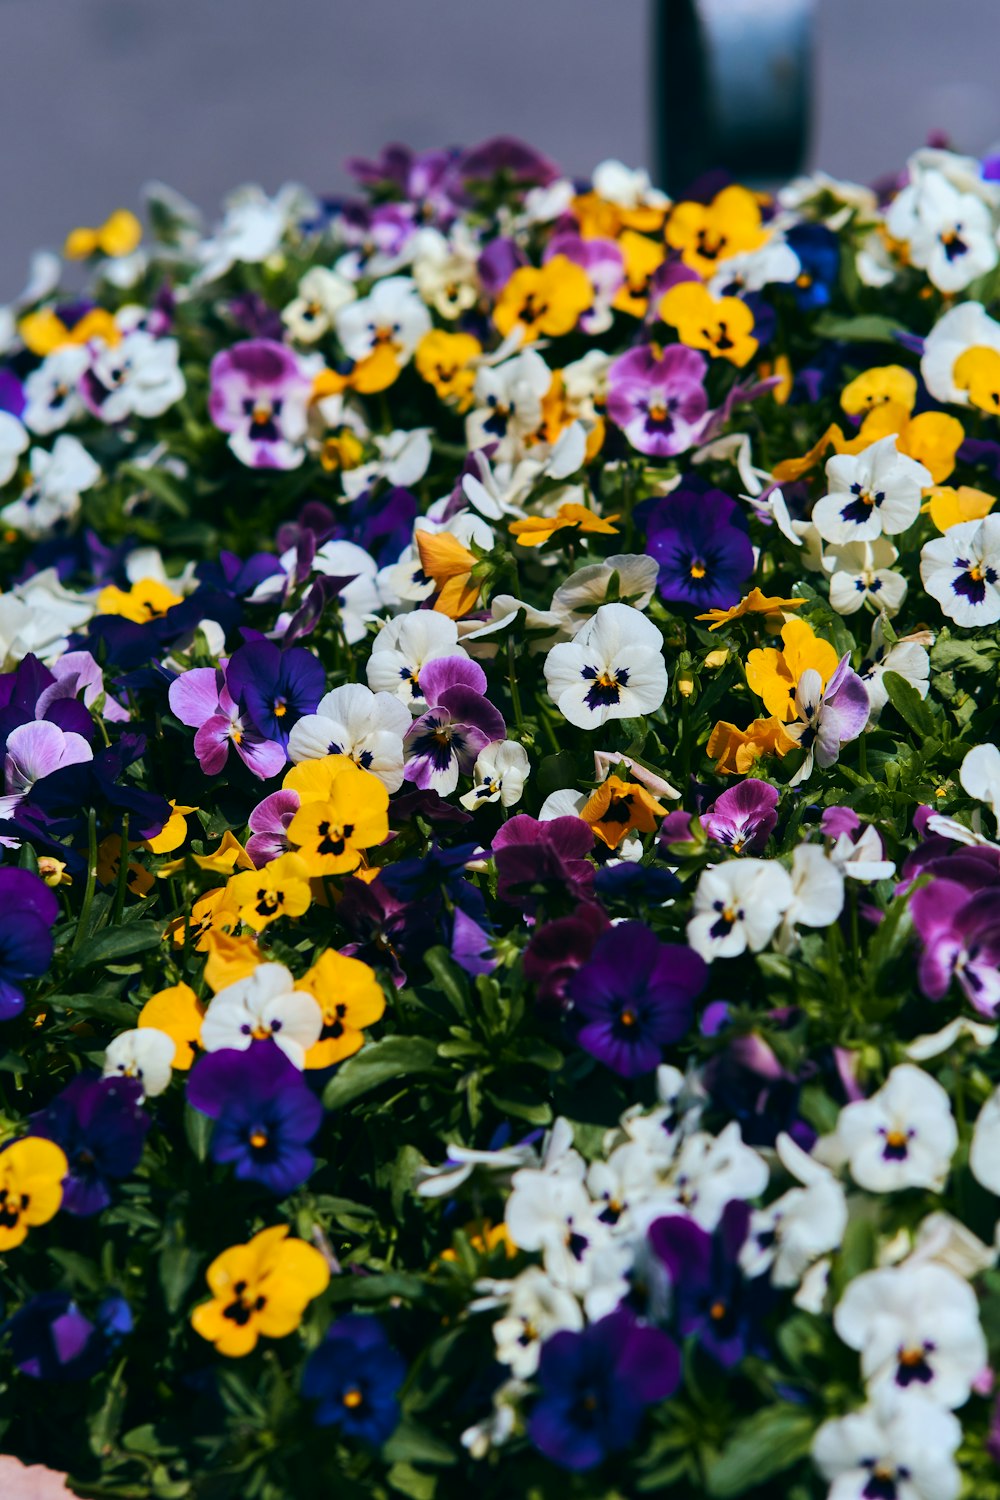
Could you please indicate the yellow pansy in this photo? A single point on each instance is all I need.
(781, 371)
(947, 507)
(447, 362)
(484, 1237)
(178, 1012)
(31, 1179)
(599, 218)
(755, 603)
(109, 853)
(721, 325)
(977, 371)
(376, 372)
(737, 751)
(44, 332)
(229, 856)
(120, 234)
(260, 1289)
(933, 438)
(774, 675)
(350, 998)
(173, 833)
(53, 871)
(214, 910)
(146, 600)
(533, 531)
(341, 450)
(543, 300)
(618, 808)
(885, 383)
(642, 257)
(331, 835)
(229, 958)
(313, 779)
(707, 233)
(790, 469)
(444, 559)
(280, 889)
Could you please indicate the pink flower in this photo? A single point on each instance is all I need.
(201, 700)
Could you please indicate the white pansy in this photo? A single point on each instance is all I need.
(52, 399)
(352, 720)
(403, 459)
(445, 270)
(53, 493)
(138, 377)
(253, 228)
(145, 1054)
(817, 894)
(984, 1156)
(264, 1005)
(38, 616)
(967, 326)
(612, 669)
(550, 1210)
(737, 906)
(903, 1136)
(980, 776)
(773, 263)
(629, 187)
(907, 655)
(461, 1161)
(13, 442)
(498, 776)
(915, 1327)
(948, 233)
(358, 599)
(805, 1223)
(508, 405)
(535, 1310)
(405, 645)
(875, 492)
(322, 293)
(392, 316)
(634, 578)
(901, 1447)
(961, 570)
(862, 573)
(709, 1171)
(943, 1241)
(862, 858)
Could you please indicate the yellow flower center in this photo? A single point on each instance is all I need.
(697, 570)
(628, 1017)
(352, 1398)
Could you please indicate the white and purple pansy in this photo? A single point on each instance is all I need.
(460, 722)
(260, 395)
(352, 720)
(873, 493)
(827, 717)
(613, 668)
(961, 570)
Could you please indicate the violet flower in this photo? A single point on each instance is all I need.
(634, 996)
(51, 1339)
(701, 542)
(605, 267)
(595, 1386)
(551, 855)
(743, 817)
(445, 741)
(201, 699)
(101, 1126)
(28, 910)
(260, 395)
(558, 949)
(265, 1114)
(268, 825)
(960, 934)
(711, 1299)
(828, 718)
(274, 687)
(657, 397)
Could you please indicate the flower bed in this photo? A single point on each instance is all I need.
(500, 916)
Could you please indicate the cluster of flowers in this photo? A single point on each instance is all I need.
(500, 905)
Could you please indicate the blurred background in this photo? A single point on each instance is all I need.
(99, 96)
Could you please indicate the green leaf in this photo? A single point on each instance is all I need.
(407, 1480)
(198, 1129)
(764, 1445)
(412, 1444)
(871, 328)
(118, 942)
(392, 1057)
(450, 979)
(909, 705)
(178, 1269)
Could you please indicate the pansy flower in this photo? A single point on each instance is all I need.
(32, 1171)
(354, 1377)
(260, 1289)
(280, 889)
(380, 332)
(138, 376)
(259, 395)
(51, 1338)
(712, 1301)
(618, 808)
(827, 716)
(904, 1136)
(329, 836)
(274, 688)
(350, 998)
(459, 723)
(177, 1013)
(738, 905)
(657, 397)
(612, 669)
(403, 647)
(100, 1126)
(875, 493)
(28, 909)
(265, 1006)
(774, 675)
(701, 543)
(707, 233)
(744, 817)
(961, 570)
(722, 326)
(201, 699)
(543, 301)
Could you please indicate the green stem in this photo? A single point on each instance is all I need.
(515, 692)
(121, 884)
(88, 895)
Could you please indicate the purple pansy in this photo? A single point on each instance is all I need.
(27, 911)
(274, 687)
(605, 267)
(634, 996)
(101, 1126)
(558, 949)
(201, 699)
(36, 750)
(52, 1339)
(265, 1114)
(701, 542)
(460, 722)
(259, 395)
(743, 817)
(595, 1386)
(657, 397)
(711, 1299)
(960, 934)
(268, 825)
(828, 717)
(529, 854)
